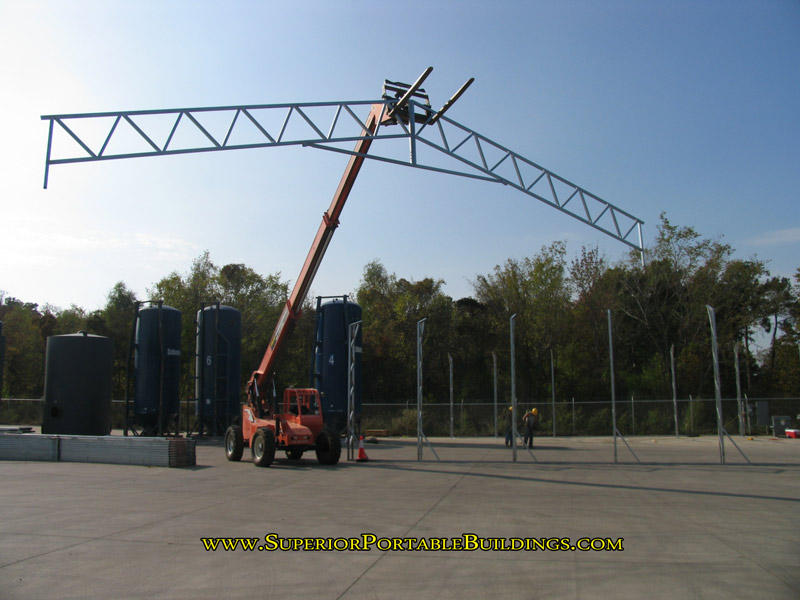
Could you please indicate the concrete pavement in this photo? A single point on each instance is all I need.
(690, 527)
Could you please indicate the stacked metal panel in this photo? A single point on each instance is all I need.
(24, 446)
(147, 451)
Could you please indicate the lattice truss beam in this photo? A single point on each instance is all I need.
(424, 140)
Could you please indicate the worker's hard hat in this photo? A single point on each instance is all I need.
(510, 408)
(535, 411)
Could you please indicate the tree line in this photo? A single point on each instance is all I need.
(658, 311)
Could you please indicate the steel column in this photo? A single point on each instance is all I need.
(553, 389)
(494, 364)
(613, 389)
(352, 335)
(513, 391)
(738, 388)
(420, 331)
(674, 388)
(450, 361)
(712, 318)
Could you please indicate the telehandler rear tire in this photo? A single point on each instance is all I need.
(234, 443)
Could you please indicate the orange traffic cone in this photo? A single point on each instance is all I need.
(362, 454)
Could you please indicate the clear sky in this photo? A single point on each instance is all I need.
(685, 107)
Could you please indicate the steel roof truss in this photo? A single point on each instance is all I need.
(444, 135)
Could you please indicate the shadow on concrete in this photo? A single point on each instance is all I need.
(612, 486)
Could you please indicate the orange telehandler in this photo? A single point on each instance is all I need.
(295, 424)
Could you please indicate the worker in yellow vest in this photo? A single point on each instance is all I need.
(531, 421)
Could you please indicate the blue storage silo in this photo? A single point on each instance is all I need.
(157, 366)
(218, 366)
(77, 385)
(329, 373)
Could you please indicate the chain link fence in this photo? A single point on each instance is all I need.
(696, 416)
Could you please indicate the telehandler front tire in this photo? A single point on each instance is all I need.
(262, 447)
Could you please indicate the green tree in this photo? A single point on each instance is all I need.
(473, 340)
(782, 363)
(259, 299)
(186, 293)
(666, 301)
(391, 308)
(117, 320)
(776, 314)
(538, 291)
(25, 349)
(584, 365)
(70, 320)
(385, 360)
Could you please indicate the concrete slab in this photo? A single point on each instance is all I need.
(691, 527)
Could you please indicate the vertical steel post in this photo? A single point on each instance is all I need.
(162, 345)
(200, 369)
(513, 392)
(450, 361)
(613, 388)
(420, 331)
(412, 135)
(573, 415)
(352, 333)
(747, 409)
(553, 389)
(633, 417)
(641, 243)
(712, 318)
(674, 387)
(494, 363)
(47, 161)
(738, 388)
(131, 351)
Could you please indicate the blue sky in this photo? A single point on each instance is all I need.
(688, 108)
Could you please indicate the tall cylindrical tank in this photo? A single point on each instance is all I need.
(329, 374)
(218, 366)
(77, 385)
(157, 363)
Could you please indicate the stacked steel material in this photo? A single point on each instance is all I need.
(146, 451)
(15, 446)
